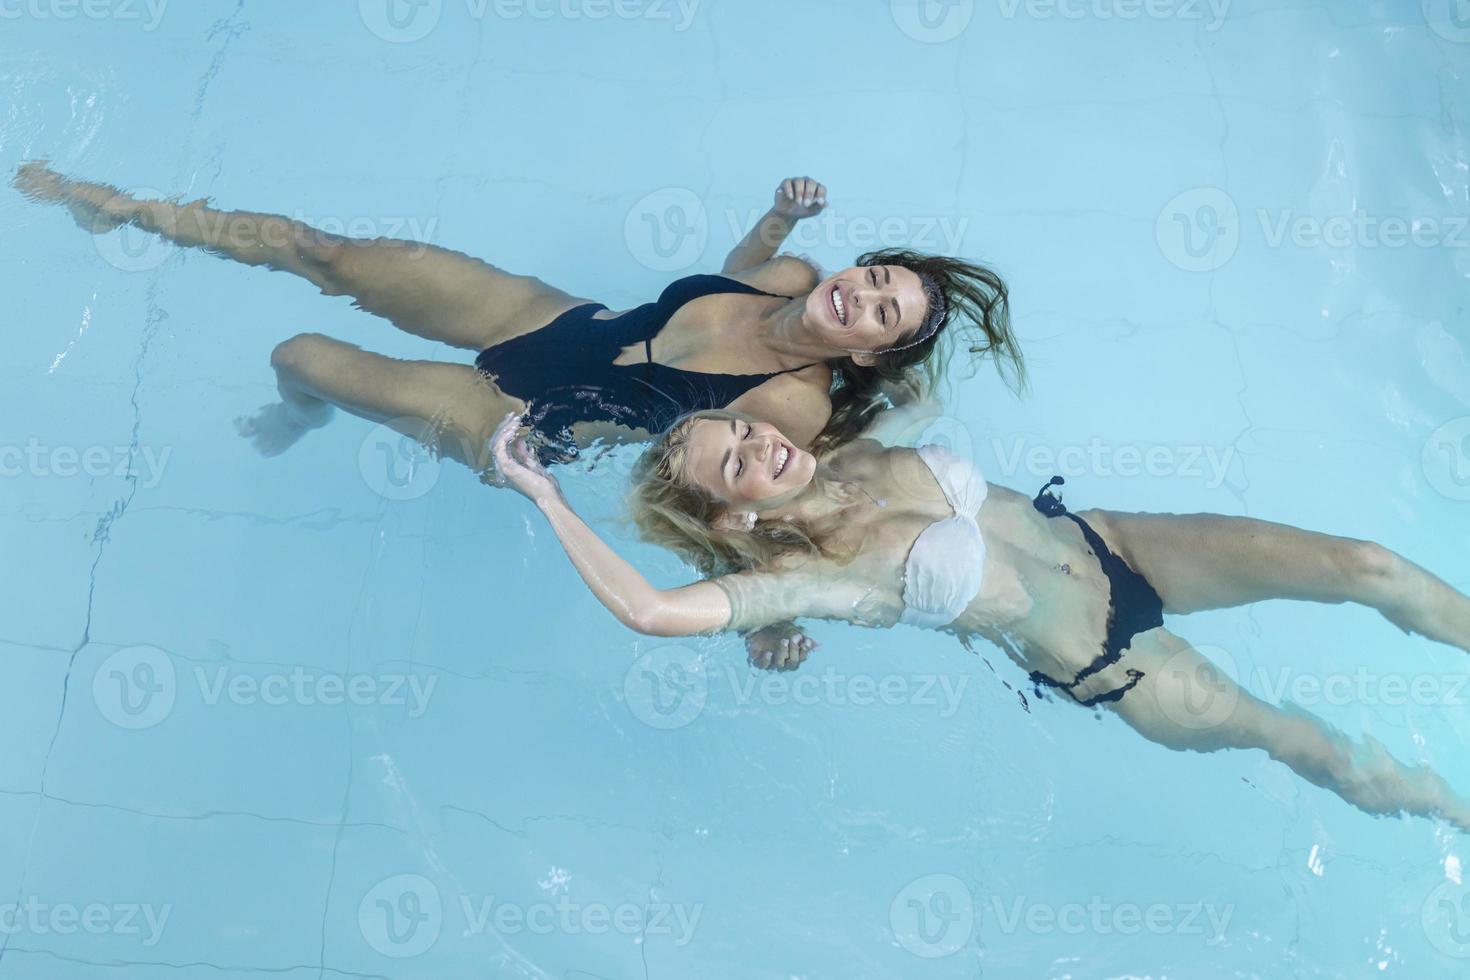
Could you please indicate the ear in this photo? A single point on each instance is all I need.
(864, 359)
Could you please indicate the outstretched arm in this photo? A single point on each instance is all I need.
(796, 198)
(699, 608)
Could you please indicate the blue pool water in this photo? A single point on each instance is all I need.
(346, 713)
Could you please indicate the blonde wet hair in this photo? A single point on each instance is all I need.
(686, 519)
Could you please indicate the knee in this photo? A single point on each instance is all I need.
(1376, 570)
(293, 354)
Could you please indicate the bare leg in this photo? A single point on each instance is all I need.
(1185, 702)
(1209, 561)
(450, 407)
(426, 290)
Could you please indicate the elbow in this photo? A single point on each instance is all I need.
(652, 620)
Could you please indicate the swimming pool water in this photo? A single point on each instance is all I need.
(346, 712)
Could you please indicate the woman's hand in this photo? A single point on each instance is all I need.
(518, 466)
(800, 197)
(779, 647)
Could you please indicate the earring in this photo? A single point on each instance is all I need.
(750, 521)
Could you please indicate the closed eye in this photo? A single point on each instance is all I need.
(740, 463)
(873, 277)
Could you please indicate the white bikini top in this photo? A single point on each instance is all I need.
(947, 562)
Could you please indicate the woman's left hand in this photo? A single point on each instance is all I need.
(800, 197)
(519, 466)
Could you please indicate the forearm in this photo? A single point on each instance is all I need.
(760, 244)
(622, 588)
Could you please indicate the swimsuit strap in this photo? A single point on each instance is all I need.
(704, 284)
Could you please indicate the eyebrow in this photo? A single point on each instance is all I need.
(725, 463)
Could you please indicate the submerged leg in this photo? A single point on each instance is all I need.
(449, 407)
(426, 290)
(1210, 561)
(1185, 702)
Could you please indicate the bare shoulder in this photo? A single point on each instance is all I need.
(785, 275)
(798, 403)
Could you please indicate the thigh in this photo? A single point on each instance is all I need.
(1210, 561)
(451, 407)
(442, 294)
(1184, 700)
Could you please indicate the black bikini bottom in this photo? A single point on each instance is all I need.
(1134, 607)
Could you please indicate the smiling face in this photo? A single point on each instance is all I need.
(745, 465)
(867, 309)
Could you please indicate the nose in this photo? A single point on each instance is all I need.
(763, 450)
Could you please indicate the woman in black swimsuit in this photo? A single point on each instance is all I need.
(765, 337)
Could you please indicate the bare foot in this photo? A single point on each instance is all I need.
(277, 427)
(98, 208)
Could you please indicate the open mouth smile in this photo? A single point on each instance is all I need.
(782, 455)
(839, 308)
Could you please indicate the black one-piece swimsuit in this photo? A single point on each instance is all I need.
(565, 370)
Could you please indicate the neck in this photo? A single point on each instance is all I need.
(786, 332)
(823, 504)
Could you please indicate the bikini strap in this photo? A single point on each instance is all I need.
(1047, 502)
